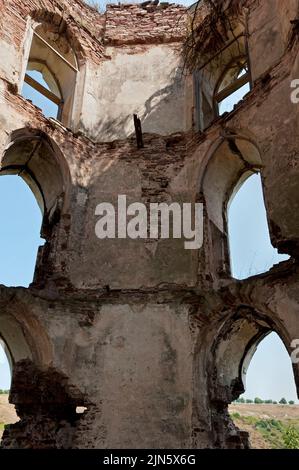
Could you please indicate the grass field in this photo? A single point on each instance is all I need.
(269, 426)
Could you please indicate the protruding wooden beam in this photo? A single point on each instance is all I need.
(41, 89)
(138, 132)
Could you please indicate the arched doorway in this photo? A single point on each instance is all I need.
(21, 220)
(230, 160)
(37, 160)
(34, 188)
(243, 335)
(7, 411)
(5, 368)
(268, 409)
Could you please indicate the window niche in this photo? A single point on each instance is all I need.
(222, 78)
(232, 86)
(51, 72)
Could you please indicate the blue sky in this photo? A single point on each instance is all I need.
(20, 223)
(50, 109)
(270, 373)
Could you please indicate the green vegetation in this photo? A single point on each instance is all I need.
(283, 401)
(2, 425)
(4, 392)
(278, 434)
(291, 438)
(259, 401)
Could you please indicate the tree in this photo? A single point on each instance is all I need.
(268, 402)
(291, 438)
(258, 400)
(291, 402)
(283, 401)
(240, 400)
(249, 401)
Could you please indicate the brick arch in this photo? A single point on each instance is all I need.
(234, 346)
(34, 156)
(21, 330)
(230, 158)
(231, 341)
(63, 25)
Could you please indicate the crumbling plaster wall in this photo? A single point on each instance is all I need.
(269, 30)
(120, 73)
(139, 351)
(98, 172)
(134, 331)
(146, 80)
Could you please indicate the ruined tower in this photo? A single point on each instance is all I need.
(152, 339)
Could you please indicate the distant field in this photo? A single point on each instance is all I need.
(268, 425)
(7, 413)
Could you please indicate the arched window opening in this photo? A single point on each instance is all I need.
(251, 251)
(269, 407)
(233, 85)
(221, 69)
(41, 87)
(7, 411)
(5, 367)
(21, 221)
(51, 72)
(278, 382)
(252, 366)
